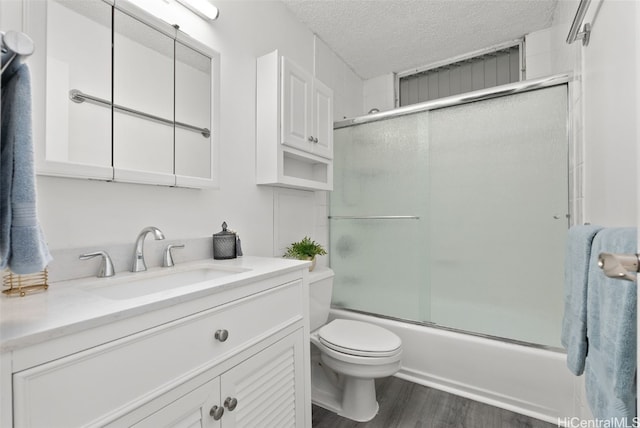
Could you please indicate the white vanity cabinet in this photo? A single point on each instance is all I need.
(255, 393)
(229, 359)
(294, 126)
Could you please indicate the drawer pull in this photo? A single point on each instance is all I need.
(230, 403)
(222, 335)
(216, 412)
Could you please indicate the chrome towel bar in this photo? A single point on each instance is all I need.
(620, 266)
(80, 97)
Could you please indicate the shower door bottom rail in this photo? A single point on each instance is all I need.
(435, 325)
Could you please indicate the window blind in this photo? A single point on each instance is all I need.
(485, 71)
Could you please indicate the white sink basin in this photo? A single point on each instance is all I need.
(150, 283)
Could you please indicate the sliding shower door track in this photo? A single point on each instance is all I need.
(455, 330)
(468, 97)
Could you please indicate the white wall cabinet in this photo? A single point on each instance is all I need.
(242, 362)
(307, 111)
(294, 131)
(322, 119)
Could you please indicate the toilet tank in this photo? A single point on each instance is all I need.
(320, 289)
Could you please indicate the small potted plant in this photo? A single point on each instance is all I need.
(305, 250)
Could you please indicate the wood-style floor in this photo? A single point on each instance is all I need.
(408, 405)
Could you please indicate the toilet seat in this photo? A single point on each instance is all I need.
(359, 339)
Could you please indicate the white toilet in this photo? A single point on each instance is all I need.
(346, 355)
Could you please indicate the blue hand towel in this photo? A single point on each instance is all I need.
(574, 322)
(22, 245)
(610, 367)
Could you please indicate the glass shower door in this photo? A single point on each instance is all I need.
(456, 216)
(378, 217)
(498, 201)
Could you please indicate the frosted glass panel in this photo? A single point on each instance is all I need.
(498, 205)
(380, 168)
(489, 183)
(380, 267)
(381, 264)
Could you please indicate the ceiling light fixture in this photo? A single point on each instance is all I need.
(202, 8)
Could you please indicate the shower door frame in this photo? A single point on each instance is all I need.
(470, 97)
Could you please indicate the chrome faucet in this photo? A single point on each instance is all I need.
(138, 255)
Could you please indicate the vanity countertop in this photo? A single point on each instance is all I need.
(68, 307)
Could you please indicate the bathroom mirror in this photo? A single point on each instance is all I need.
(192, 107)
(143, 62)
(130, 100)
(78, 136)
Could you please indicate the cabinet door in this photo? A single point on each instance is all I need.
(268, 388)
(322, 120)
(296, 106)
(143, 81)
(78, 135)
(193, 148)
(192, 410)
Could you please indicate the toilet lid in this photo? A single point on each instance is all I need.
(359, 338)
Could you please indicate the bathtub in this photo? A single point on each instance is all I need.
(523, 379)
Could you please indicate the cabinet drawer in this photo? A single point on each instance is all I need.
(106, 381)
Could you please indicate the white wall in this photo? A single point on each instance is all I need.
(610, 80)
(379, 92)
(81, 213)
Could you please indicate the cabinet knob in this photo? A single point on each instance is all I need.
(216, 412)
(230, 403)
(315, 140)
(222, 335)
(311, 138)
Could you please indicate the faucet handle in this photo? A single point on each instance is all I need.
(167, 260)
(106, 265)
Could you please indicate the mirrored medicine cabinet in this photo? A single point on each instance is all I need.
(126, 96)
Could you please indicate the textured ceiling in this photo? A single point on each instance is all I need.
(376, 37)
